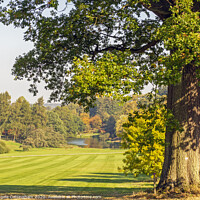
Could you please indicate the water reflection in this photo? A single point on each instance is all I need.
(93, 142)
(76, 141)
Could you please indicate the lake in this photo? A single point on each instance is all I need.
(93, 142)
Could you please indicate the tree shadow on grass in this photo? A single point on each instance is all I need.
(108, 178)
(96, 180)
(65, 190)
(120, 177)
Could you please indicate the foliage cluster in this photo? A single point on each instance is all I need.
(44, 138)
(3, 148)
(143, 137)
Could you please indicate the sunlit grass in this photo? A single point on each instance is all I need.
(75, 171)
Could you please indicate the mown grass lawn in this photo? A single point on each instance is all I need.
(65, 171)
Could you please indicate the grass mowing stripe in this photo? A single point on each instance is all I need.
(9, 162)
(97, 179)
(80, 163)
(77, 177)
(28, 169)
(47, 172)
(32, 173)
(69, 154)
(25, 164)
(91, 172)
(111, 183)
(63, 179)
(85, 179)
(22, 163)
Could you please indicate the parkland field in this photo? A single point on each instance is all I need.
(66, 171)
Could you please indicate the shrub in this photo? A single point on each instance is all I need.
(46, 137)
(26, 147)
(3, 148)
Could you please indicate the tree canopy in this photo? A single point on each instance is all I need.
(104, 48)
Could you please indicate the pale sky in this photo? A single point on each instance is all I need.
(13, 45)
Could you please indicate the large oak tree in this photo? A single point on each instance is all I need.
(115, 47)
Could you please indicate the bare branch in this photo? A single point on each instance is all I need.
(112, 36)
(121, 48)
(160, 8)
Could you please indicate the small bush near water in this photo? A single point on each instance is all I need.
(3, 148)
(43, 138)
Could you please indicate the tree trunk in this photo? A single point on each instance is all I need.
(181, 166)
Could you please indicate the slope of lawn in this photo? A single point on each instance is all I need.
(75, 171)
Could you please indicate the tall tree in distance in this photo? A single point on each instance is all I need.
(15, 123)
(130, 107)
(119, 125)
(112, 48)
(104, 107)
(25, 117)
(110, 126)
(19, 121)
(71, 121)
(55, 122)
(39, 114)
(5, 108)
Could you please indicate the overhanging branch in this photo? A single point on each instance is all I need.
(121, 48)
(160, 8)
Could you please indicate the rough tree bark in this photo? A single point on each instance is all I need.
(181, 166)
(181, 169)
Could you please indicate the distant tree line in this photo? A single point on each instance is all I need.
(38, 126)
(34, 125)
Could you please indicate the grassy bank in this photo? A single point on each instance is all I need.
(87, 135)
(66, 171)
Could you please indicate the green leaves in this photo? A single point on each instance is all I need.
(108, 48)
(105, 77)
(144, 139)
(180, 34)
